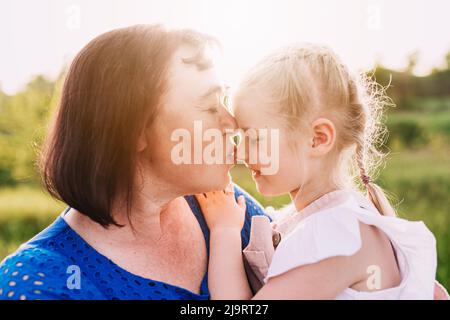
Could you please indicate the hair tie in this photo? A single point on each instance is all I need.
(365, 179)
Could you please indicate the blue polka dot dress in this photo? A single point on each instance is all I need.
(59, 264)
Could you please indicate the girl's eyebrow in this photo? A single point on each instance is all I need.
(250, 128)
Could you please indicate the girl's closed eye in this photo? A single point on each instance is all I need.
(253, 140)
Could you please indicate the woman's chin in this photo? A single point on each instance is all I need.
(227, 180)
(223, 181)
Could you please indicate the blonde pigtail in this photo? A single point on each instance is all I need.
(374, 192)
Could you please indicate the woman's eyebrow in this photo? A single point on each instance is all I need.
(213, 91)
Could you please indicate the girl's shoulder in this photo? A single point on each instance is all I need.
(354, 229)
(320, 236)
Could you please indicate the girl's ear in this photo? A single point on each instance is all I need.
(142, 142)
(324, 136)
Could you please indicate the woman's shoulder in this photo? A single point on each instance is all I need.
(36, 273)
(31, 273)
(330, 232)
(40, 270)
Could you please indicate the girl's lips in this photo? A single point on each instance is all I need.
(231, 157)
(256, 173)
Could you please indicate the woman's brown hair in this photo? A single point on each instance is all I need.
(111, 93)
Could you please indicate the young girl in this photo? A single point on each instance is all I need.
(337, 243)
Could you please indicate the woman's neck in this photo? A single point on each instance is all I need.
(144, 222)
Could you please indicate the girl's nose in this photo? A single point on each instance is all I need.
(242, 149)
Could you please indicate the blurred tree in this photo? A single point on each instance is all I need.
(22, 127)
(447, 60)
(414, 93)
(413, 58)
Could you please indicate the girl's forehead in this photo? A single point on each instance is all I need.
(252, 100)
(253, 112)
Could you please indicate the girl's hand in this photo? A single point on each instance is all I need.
(220, 209)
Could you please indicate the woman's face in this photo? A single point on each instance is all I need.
(177, 151)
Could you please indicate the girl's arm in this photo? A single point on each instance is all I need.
(225, 218)
(323, 280)
(226, 275)
(227, 279)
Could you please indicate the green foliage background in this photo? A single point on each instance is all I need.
(417, 172)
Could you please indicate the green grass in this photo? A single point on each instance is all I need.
(24, 212)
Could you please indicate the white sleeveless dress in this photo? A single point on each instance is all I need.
(329, 227)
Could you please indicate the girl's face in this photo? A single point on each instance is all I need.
(254, 110)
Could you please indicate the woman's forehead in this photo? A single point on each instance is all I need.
(188, 80)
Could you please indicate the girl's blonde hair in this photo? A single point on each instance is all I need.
(309, 80)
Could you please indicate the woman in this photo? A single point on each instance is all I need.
(128, 232)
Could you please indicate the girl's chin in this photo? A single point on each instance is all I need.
(265, 186)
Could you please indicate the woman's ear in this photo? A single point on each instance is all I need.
(324, 136)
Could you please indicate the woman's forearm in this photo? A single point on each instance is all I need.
(226, 276)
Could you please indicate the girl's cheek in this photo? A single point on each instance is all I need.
(252, 154)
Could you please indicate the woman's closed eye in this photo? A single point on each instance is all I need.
(209, 108)
(213, 109)
(222, 102)
(213, 101)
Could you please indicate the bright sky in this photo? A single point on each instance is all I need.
(39, 37)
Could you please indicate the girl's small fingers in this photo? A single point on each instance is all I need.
(241, 202)
(229, 188)
(229, 191)
(200, 197)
